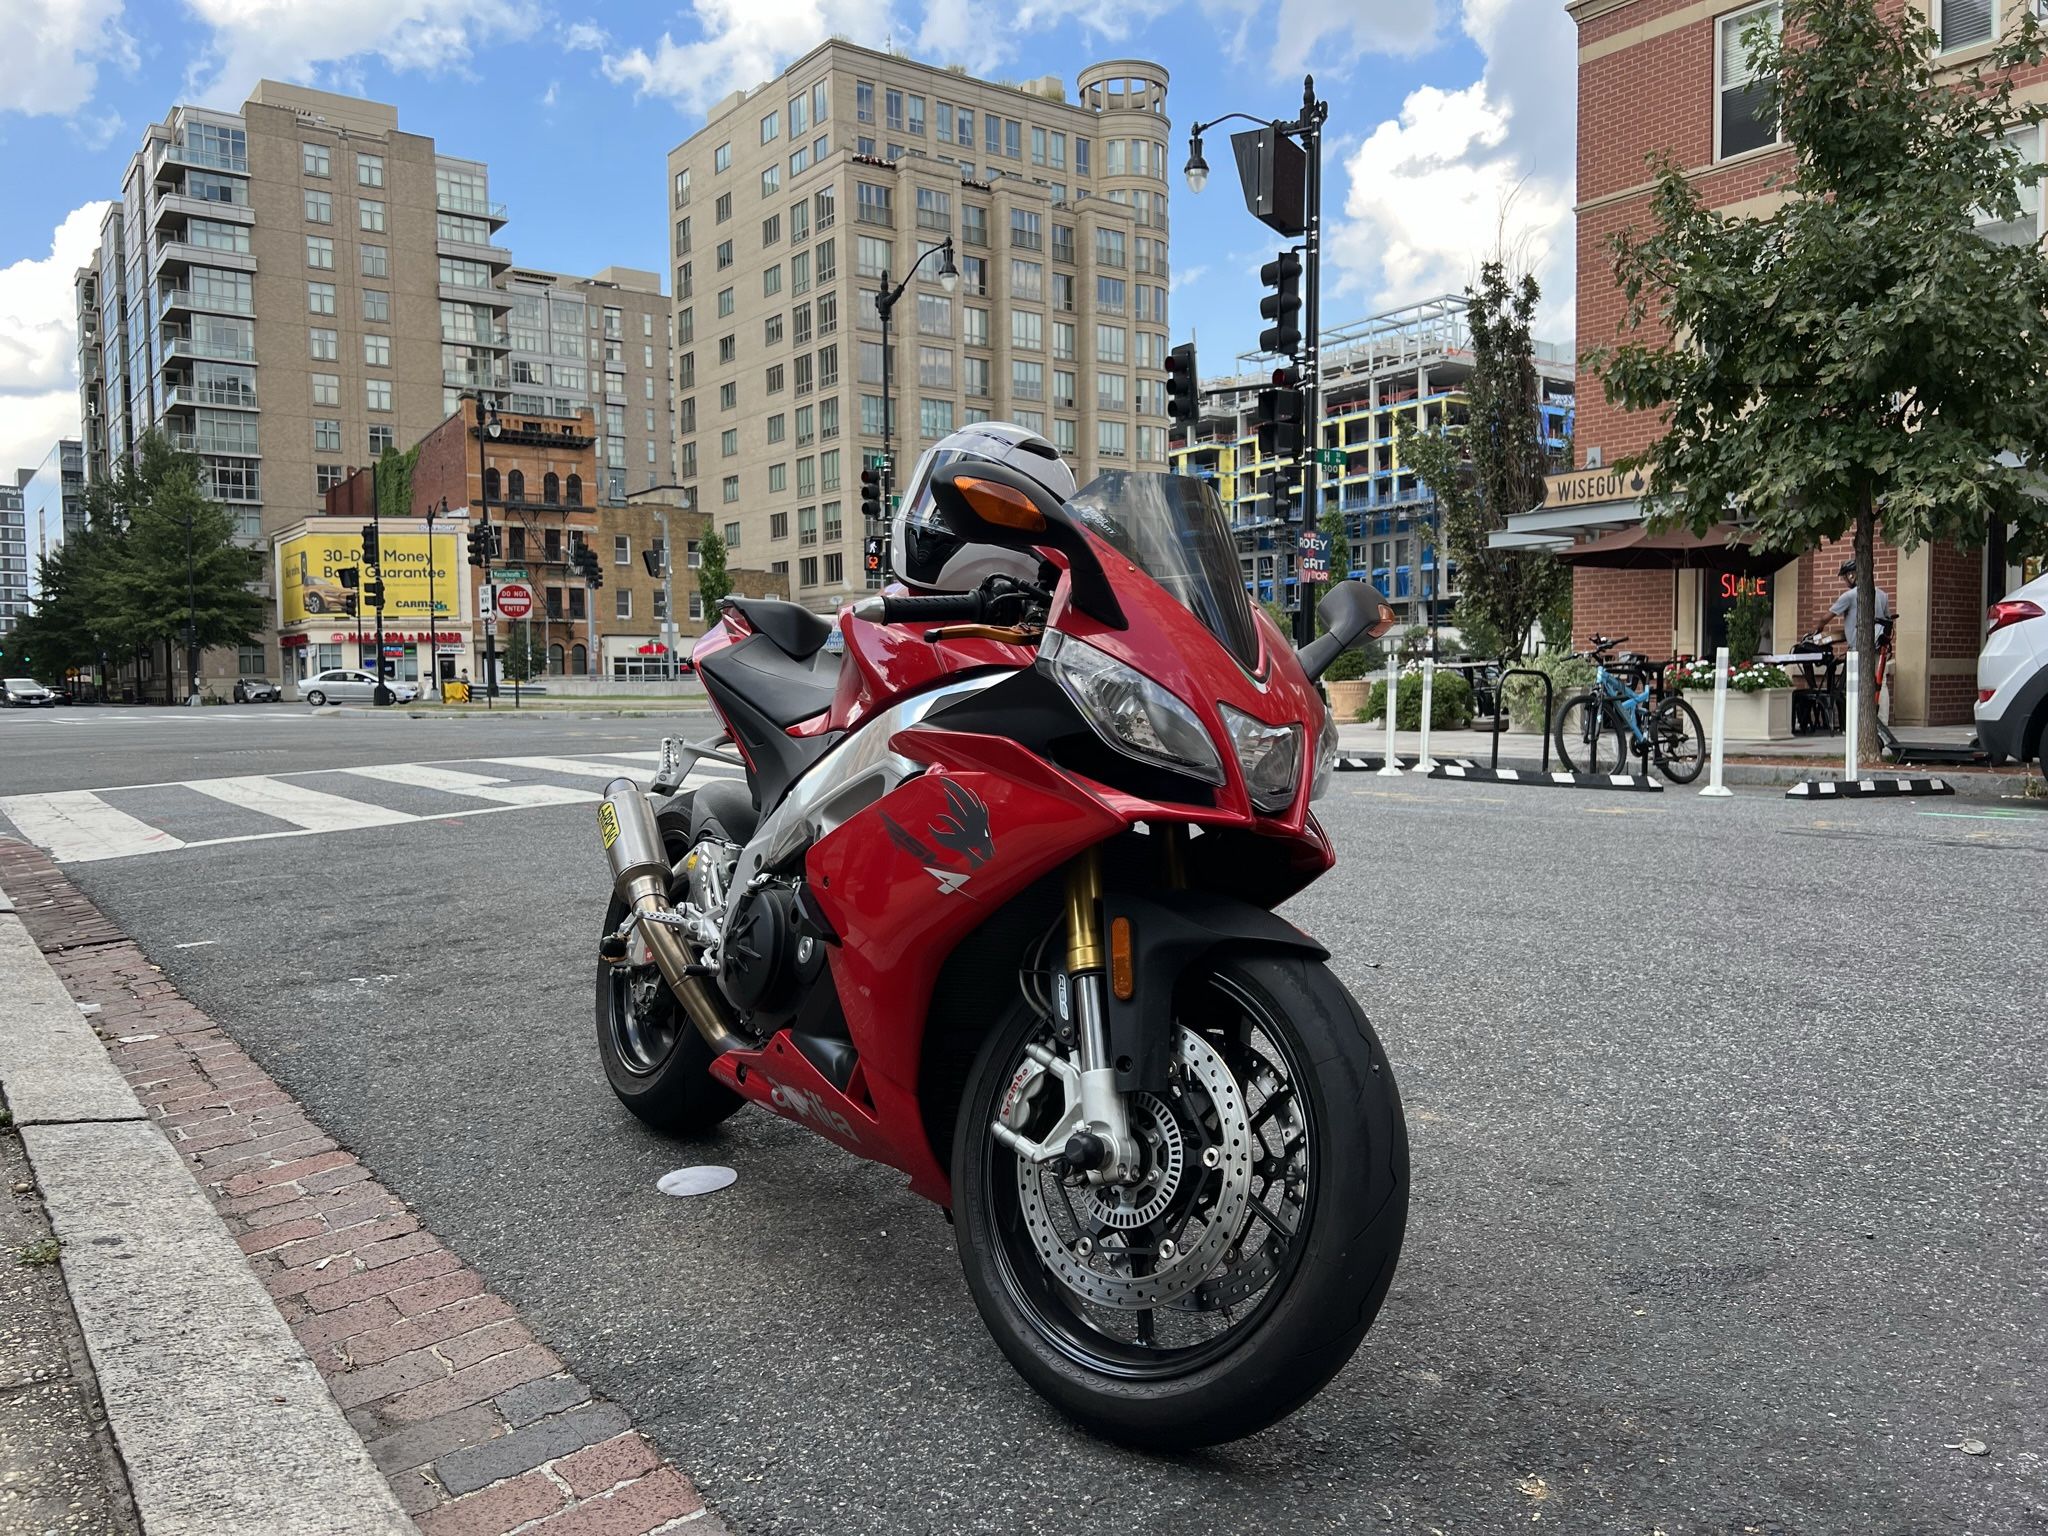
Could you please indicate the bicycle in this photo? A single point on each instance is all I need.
(1596, 729)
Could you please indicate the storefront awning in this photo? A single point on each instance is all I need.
(1723, 548)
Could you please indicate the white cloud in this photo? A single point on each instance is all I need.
(298, 40)
(54, 50)
(1185, 277)
(1463, 173)
(1357, 27)
(550, 95)
(39, 342)
(740, 44)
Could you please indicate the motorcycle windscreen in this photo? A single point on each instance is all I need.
(1173, 529)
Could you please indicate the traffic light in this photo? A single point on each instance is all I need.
(1183, 398)
(478, 555)
(1282, 306)
(373, 595)
(1278, 417)
(652, 560)
(871, 495)
(370, 544)
(584, 559)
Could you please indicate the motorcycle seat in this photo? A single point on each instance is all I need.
(780, 687)
(795, 631)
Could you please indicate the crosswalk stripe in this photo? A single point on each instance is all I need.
(311, 809)
(76, 826)
(581, 767)
(422, 776)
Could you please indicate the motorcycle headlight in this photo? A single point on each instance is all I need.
(1268, 755)
(1129, 711)
(1326, 755)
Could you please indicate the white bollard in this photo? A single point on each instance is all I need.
(1391, 768)
(1720, 737)
(1853, 683)
(1423, 762)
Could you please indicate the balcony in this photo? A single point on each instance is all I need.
(238, 494)
(173, 299)
(179, 154)
(200, 442)
(181, 344)
(463, 293)
(181, 253)
(473, 208)
(458, 379)
(211, 396)
(470, 250)
(182, 205)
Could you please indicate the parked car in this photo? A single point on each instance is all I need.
(2012, 677)
(257, 690)
(350, 685)
(25, 693)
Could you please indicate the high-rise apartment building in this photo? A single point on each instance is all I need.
(796, 199)
(599, 342)
(52, 502)
(13, 559)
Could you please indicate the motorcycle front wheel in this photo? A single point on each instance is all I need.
(1234, 1280)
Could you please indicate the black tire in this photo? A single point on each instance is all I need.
(316, 698)
(1681, 744)
(656, 1062)
(1602, 749)
(1325, 1287)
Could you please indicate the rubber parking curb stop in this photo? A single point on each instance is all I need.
(1555, 779)
(357, 1372)
(1352, 762)
(1866, 789)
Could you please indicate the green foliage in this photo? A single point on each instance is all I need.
(1450, 702)
(1479, 636)
(1860, 358)
(712, 579)
(1567, 674)
(1749, 623)
(1484, 473)
(1362, 660)
(526, 653)
(394, 481)
(44, 1250)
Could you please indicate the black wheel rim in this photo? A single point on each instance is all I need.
(1093, 1337)
(645, 1021)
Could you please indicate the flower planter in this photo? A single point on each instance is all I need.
(1765, 715)
(1347, 699)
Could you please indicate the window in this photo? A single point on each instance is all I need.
(771, 328)
(724, 254)
(682, 189)
(377, 351)
(1027, 330)
(974, 375)
(778, 426)
(370, 215)
(377, 306)
(828, 418)
(369, 170)
(1109, 295)
(1063, 291)
(893, 105)
(728, 396)
(778, 525)
(828, 367)
(800, 221)
(732, 537)
(1064, 435)
(974, 275)
(327, 389)
(376, 261)
(326, 477)
(871, 257)
(320, 298)
(319, 206)
(729, 443)
(1746, 118)
(871, 415)
(326, 436)
(934, 418)
(824, 209)
(2026, 229)
(1038, 150)
(1109, 391)
(324, 344)
(934, 209)
(771, 181)
(725, 303)
(1109, 247)
(1110, 437)
(1027, 380)
(771, 230)
(1063, 341)
(915, 121)
(1013, 139)
(934, 368)
(774, 379)
(377, 394)
(807, 485)
(1081, 157)
(874, 204)
(974, 326)
(863, 101)
(828, 313)
(314, 159)
(771, 281)
(1027, 280)
(1025, 233)
(721, 160)
(771, 127)
(835, 570)
(728, 349)
(1063, 388)
(320, 252)
(382, 441)
(1109, 344)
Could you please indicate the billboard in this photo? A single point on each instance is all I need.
(309, 567)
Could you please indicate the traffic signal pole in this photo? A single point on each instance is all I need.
(1313, 112)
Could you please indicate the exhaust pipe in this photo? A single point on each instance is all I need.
(640, 872)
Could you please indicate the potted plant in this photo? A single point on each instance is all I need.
(1759, 696)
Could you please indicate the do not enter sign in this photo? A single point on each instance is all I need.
(515, 600)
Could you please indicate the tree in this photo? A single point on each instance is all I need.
(1493, 468)
(526, 652)
(1863, 356)
(712, 580)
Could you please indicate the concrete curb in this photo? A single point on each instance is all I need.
(223, 1423)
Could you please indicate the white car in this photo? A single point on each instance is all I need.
(2012, 677)
(25, 693)
(350, 685)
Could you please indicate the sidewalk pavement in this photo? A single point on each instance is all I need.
(1755, 765)
(280, 1347)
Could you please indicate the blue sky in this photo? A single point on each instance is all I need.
(1450, 128)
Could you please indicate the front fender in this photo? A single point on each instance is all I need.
(1171, 931)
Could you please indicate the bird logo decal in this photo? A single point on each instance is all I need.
(961, 834)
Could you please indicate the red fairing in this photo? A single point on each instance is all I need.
(885, 662)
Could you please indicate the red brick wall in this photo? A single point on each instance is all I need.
(1638, 604)
(1955, 631)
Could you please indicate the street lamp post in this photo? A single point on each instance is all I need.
(1308, 128)
(885, 300)
(669, 634)
(433, 604)
(487, 427)
(381, 694)
(191, 620)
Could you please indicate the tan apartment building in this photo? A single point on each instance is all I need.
(796, 198)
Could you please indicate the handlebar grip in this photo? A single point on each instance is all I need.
(942, 607)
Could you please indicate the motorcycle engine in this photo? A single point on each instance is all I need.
(758, 970)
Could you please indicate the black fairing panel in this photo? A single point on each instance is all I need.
(793, 628)
(779, 759)
(778, 686)
(1170, 931)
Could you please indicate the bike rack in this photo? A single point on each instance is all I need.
(1493, 773)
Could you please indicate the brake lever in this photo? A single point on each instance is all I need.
(1017, 634)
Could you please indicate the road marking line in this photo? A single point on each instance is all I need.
(311, 809)
(582, 767)
(76, 826)
(420, 776)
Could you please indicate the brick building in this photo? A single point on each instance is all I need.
(1669, 76)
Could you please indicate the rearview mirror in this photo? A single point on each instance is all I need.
(983, 502)
(1351, 611)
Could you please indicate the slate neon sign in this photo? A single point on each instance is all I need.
(1734, 586)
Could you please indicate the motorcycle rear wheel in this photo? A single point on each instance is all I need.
(1305, 1292)
(657, 1063)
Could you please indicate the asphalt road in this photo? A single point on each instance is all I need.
(1728, 1172)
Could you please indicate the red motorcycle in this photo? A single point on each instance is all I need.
(993, 906)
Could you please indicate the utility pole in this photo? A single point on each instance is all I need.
(381, 694)
(668, 595)
(433, 605)
(191, 620)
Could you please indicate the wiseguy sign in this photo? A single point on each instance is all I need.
(1584, 487)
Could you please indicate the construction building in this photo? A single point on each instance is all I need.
(1412, 364)
(799, 200)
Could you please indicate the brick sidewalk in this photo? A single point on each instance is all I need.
(478, 1427)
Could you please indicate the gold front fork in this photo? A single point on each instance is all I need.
(1103, 1147)
(1085, 949)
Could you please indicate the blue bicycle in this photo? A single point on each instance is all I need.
(1596, 730)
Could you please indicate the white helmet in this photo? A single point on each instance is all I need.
(924, 553)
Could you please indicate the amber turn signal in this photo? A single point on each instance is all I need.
(1122, 981)
(1003, 505)
(1384, 623)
